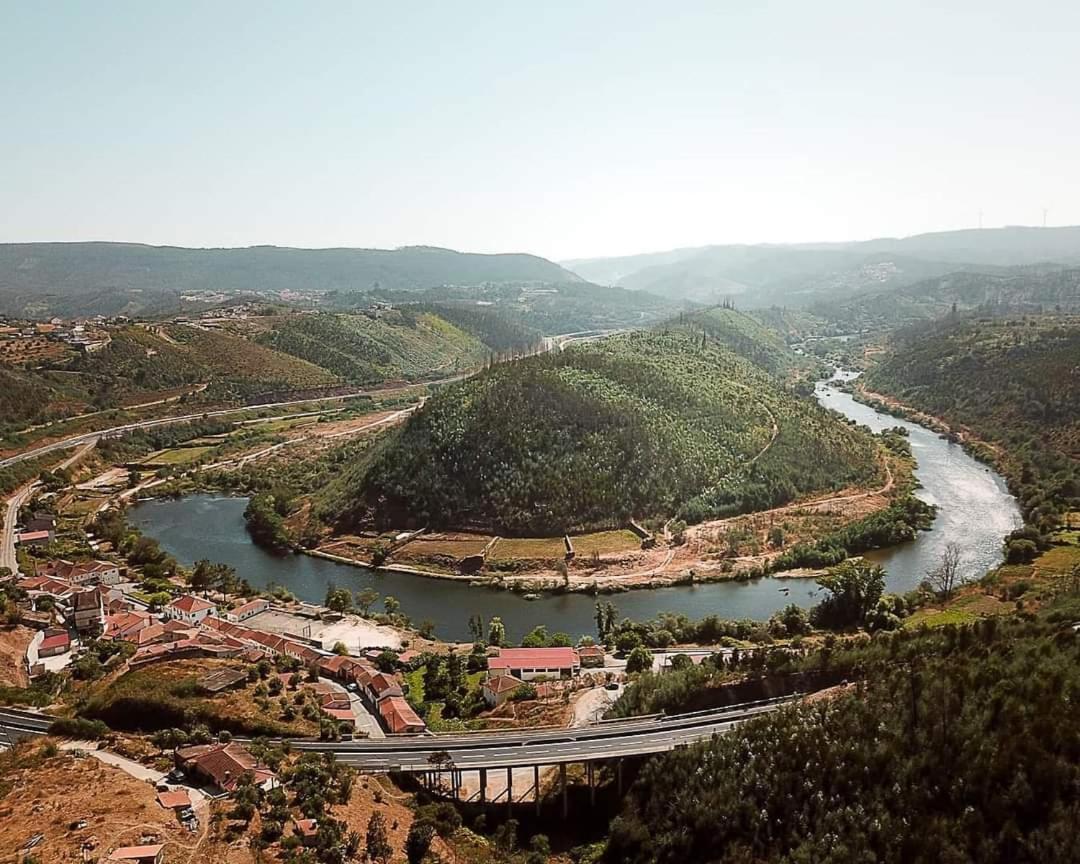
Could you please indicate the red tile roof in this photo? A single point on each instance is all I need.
(306, 827)
(399, 715)
(174, 800)
(55, 641)
(502, 683)
(225, 764)
(191, 604)
(535, 658)
(136, 853)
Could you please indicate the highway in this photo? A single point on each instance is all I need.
(512, 749)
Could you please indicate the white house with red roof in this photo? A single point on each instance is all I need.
(189, 609)
(529, 663)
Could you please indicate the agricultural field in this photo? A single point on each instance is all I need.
(175, 457)
(444, 547)
(528, 548)
(606, 543)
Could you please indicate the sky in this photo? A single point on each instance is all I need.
(562, 129)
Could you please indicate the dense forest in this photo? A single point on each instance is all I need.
(958, 745)
(642, 424)
(1012, 382)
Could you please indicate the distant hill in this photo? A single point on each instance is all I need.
(643, 424)
(130, 278)
(800, 274)
(1017, 290)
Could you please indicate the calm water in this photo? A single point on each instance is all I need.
(975, 510)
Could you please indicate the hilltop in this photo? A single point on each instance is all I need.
(644, 424)
(760, 275)
(41, 279)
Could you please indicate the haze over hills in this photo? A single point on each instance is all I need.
(115, 278)
(802, 273)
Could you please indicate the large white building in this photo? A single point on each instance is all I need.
(189, 609)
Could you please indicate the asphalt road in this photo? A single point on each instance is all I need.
(470, 751)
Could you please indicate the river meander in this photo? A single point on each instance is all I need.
(974, 510)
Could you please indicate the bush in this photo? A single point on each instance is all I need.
(78, 727)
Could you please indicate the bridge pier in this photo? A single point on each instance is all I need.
(618, 777)
(562, 783)
(590, 776)
(536, 787)
(483, 785)
(509, 792)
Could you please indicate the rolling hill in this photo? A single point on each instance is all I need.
(364, 350)
(762, 275)
(644, 424)
(42, 279)
(1018, 290)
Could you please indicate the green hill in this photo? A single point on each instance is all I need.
(643, 424)
(398, 344)
(748, 337)
(41, 279)
(1014, 382)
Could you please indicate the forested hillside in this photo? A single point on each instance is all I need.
(746, 336)
(959, 746)
(109, 278)
(1008, 292)
(398, 344)
(1014, 382)
(642, 424)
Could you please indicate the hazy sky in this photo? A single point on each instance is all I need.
(564, 129)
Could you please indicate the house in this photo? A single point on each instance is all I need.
(381, 686)
(592, 656)
(85, 572)
(499, 689)
(88, 611)
(152, 854)
(530, 663)
(189, 608)
(398, 716)
(307, 830)
(222, 679)
(127, 625)
(55, 642)
(178, 799)
(34, 538)
(222, 764)
(248, 610)
(37, 586)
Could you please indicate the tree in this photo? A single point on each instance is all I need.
(476, 628)
(855, 586)
(496, 632)
(627, 641)
(535, 638)
(201, 576)
(946, 576)
(640, 660)
(338, 599)
(418, 842)
(341, 649)
(391, 604)
(377, 841)
(365, 599)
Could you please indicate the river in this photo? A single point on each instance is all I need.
(975, 510)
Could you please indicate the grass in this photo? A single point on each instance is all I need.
(455, 546)
(511, 548)
(939, 618)
(606, 542)
(176, 456)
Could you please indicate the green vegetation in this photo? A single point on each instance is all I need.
(636, 425)
(1013, 383)
(366, 350)
(960, 744)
